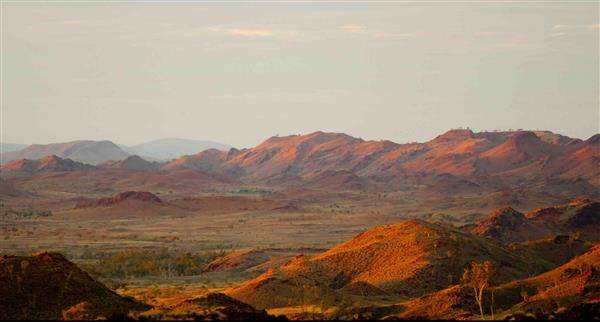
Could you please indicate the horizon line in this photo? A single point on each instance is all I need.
(509, 130)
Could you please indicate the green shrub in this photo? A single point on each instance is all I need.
(141, 263)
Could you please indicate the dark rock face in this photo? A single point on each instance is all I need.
(225, 307)
(581, 216)
(134, 163)
(500, 221)
(587, 214)
(579, 312)
(143, 196)
(46, 286)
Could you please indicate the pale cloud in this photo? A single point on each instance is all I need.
(242, 32)
(387, 35)
(362, 30)
(557, 34)
(72, 22)
(566, 29)
(352, 28)
(183, 33)
(511, 44)
(251, 32)
(232, 32)
(491, 33)
(576, 26)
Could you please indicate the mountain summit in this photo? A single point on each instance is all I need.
(91, 152)
(171, 148)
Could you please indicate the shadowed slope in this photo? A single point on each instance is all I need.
(133, 162)
(568, 286)
(217, 306)
(557, 250)
(507, 224)
(43, 286)
(237, 261)
(580, 216)
(142, 196)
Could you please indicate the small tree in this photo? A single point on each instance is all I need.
(478, 278)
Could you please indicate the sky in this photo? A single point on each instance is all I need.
(239, 73)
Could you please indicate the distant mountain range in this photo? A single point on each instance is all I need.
(90, 152)
(133, 162)
(458, 155)
(456, 160)
(166, 149)
(50, 163)
(9, 147)
(509, 225)
(96, 152)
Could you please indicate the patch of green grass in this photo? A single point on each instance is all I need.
(142, 263)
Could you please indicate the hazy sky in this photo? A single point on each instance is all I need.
(239, 73)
